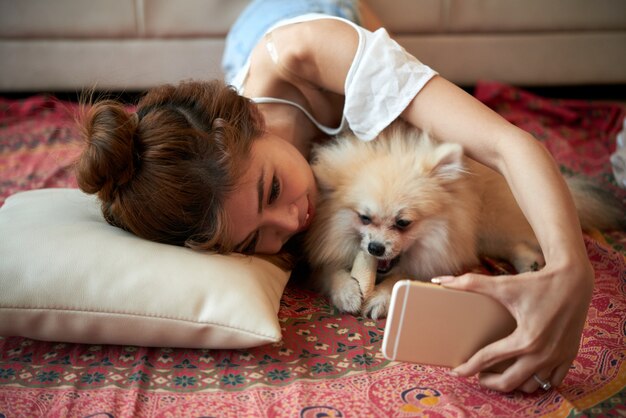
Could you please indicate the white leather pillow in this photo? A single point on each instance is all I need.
(67, 275)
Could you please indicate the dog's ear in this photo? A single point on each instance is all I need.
(448, 161)
(325, 167)
(332, 163)
(324, 178)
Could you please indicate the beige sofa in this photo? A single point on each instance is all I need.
(66, 45)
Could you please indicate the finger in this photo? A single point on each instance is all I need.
(529, 386)
(536, 381)
(554, 378)
(514, 378)
(520, 376)
(504, 289)
(496, 381)
(472, 282)
(560, 373)
(489, 356)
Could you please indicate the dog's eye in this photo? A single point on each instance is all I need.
(402, 223)
(365, 220)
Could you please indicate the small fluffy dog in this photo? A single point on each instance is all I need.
(422, 209)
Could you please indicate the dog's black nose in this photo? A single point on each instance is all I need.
(376, 248)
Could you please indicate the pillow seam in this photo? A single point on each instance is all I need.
(140, 316)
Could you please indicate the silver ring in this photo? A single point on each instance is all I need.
(542, 383)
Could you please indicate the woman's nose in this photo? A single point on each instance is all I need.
(285, 219)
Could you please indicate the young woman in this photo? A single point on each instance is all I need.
(202, 165)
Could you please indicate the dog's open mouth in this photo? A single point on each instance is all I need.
(384, 266)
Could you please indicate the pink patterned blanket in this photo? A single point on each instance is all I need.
(328, 364)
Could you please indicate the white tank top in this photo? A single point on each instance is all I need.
(381, 82)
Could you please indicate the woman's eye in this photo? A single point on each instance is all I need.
(402, 223)
(274, 190)
(365, 220)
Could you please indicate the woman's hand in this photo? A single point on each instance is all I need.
(550, 307)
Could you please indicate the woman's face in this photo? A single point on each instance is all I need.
(274, 200)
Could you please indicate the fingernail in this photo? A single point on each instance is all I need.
(442, 279)
(453, 373)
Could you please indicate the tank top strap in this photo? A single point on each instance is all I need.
(326, 129)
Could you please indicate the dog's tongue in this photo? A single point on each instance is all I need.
(383, 265)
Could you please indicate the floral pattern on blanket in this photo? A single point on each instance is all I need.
(328, 364)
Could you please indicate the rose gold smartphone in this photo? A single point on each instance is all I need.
(432, 325)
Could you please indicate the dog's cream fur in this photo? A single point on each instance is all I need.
(407, 198)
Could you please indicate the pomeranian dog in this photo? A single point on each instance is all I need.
(423, 210)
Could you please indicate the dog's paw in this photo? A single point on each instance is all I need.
(527, 258)
(377, 305)
(345, 293)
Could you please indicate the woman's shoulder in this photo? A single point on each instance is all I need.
(319, 51)
(311, 52)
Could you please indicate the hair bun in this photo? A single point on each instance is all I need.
(108, 161)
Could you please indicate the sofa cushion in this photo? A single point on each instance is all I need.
(166, 18)
(458, 16)
(117, 18)
(535, 15)
(210, 18)
(67, 19)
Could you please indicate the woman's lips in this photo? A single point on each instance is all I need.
(308, 218)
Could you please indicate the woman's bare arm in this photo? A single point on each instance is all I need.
(450, 114)
(550, 305)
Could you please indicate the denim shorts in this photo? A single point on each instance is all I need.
(260, 15)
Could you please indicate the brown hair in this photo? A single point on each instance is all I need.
(164, 172)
